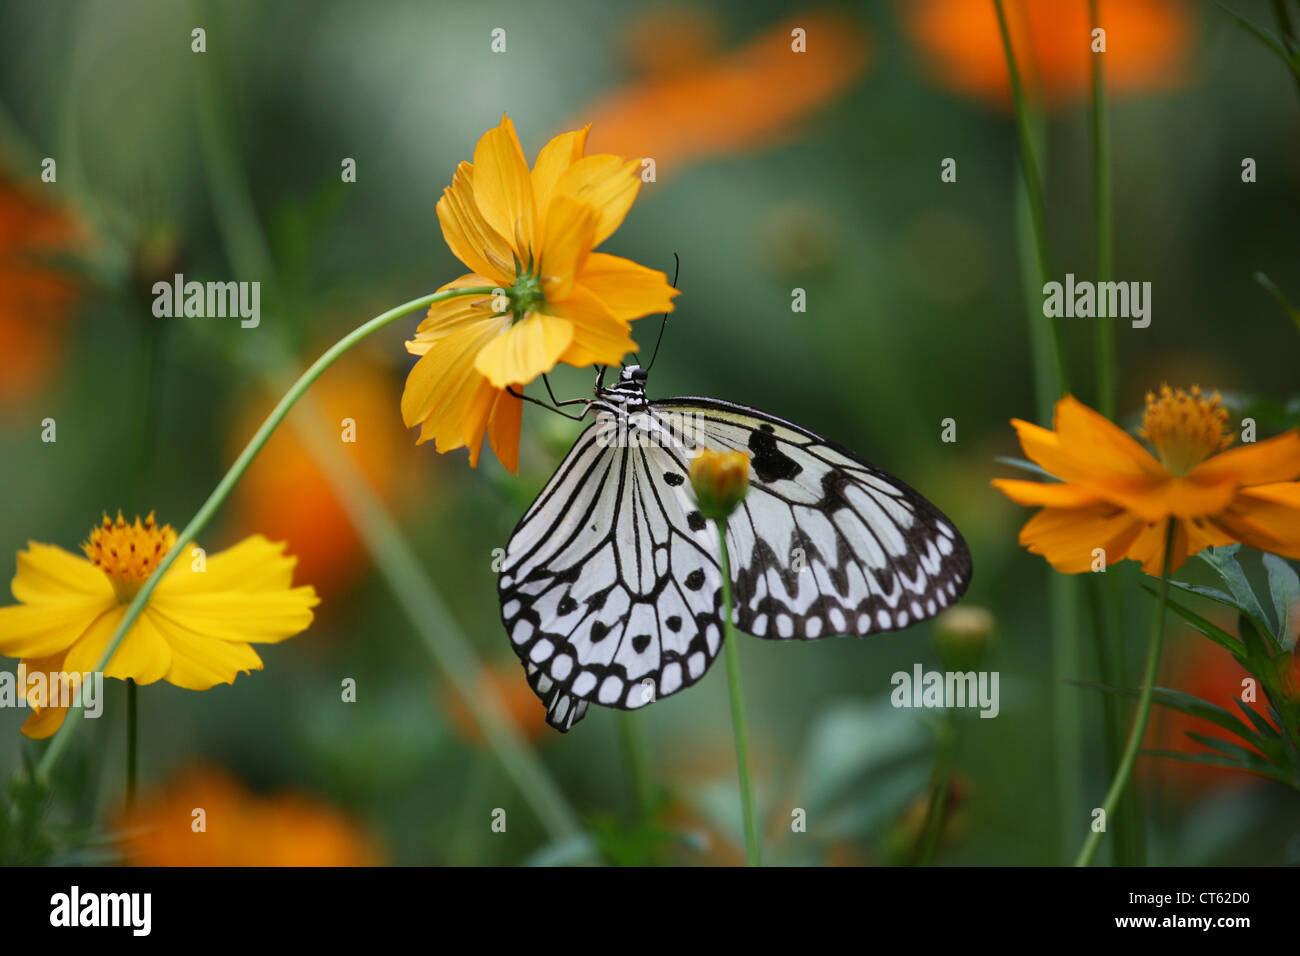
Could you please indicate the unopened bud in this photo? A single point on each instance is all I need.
(720, 480)
(963, 634)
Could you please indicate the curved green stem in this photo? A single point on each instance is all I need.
(737, 707)
(223, 489)
(1089, 849)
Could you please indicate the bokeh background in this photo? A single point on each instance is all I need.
(775, 171)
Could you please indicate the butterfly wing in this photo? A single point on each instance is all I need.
(608, 592)
(825, 542)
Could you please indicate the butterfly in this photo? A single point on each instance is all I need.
(610, 585)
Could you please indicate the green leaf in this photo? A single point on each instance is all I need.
(1224, 562)
(1213, 632)
(1284, 585)
(1185, 703)
(1217, 760)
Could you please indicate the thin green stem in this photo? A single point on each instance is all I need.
(132, 736)
(219, 494)
(1138, 731)
(737, 706)
(1099, 127)
(1034, 191)
(941, 789)
(632, 737)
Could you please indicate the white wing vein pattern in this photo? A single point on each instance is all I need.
(610, 587)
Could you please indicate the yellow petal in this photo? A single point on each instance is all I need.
(503, 189)
(467, 233)
(254, 564)
(446, 317)
(444, 380)
(628, 289)
(567, 238)
(599, 337)
(47, 715)
(554, 160)
(48, 573)
(143, 655)
(257, 617)
(198, 661)
(528, 349)
(504, 430)
(607, 182)
(39, 630)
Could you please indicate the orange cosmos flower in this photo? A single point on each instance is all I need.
(694, 101)
(207, 818)
(1115, 495)
(530, 235)
(1052, 39)
(34, 294)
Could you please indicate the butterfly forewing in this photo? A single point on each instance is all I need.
(610, 587)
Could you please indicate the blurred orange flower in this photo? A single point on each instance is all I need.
(35, 294)
(1146, 43)
(207, 818)
(1116, 496)
(695, 102)
(286, 496)
(499, 678)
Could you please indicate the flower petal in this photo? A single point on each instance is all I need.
(1045, 493)
(48, 573)
(1066, 537)
(198, 661)
(1255, 463)
(503, 432)
(450, 315)
(610, 183)
(599, 337)
(258, 617)
(443, 382)
(503, 189)
(554, 160)
(467, 233)
(567, 238)
(628, 289)
(39, 630)
(525, 351)
(1266, 517)
(254, 564)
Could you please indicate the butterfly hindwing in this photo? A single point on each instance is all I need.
(609, 592)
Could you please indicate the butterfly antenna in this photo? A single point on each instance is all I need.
(677, 268)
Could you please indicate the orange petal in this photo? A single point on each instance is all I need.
(450, 315)
(567, 237)
(1067, 537)
(628, 289)
(607, 182)
(503, 188)
(599, 337)
(1266, 517)
(554, 160)
(525, 351)
(1094, 439)
(1045, 493)
(1255, 463)
(1154, 499)
(467, 233)
(503, 432)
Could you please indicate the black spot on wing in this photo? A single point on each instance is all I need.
(770, 462)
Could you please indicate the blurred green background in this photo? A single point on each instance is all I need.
(916, 313)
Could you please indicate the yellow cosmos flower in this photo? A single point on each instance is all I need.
(195, 631)
(1115, 495)
(529, 234)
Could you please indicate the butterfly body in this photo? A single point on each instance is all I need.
(611, 589)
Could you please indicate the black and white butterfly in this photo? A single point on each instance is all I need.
(610, 586)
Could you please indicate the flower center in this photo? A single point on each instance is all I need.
(1185, 427)
(526, 294)
(128, 553)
